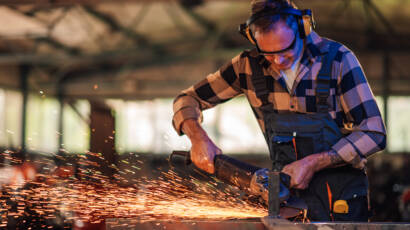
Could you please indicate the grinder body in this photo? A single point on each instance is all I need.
(251, 179)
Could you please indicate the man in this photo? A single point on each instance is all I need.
(312, 102)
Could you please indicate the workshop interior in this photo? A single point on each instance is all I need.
(86, 107)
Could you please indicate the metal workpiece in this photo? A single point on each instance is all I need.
(265, 223)
(275, 224)
(246, 224)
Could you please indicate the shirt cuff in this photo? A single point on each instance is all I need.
(185, 114)
(183, 102)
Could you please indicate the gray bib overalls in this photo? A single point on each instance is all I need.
(292, 136)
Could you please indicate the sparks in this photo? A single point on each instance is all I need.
(91, 198)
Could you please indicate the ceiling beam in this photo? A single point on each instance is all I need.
(115, 26)
(84, 2)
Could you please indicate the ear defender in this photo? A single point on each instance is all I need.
(308, 23)
(245, 31)
(305, 21)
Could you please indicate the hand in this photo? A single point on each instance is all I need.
(203, 152)
(302, 171)
(203, 149)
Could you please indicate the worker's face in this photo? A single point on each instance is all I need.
(280, 45)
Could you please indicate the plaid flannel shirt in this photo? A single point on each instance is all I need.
(351, 101)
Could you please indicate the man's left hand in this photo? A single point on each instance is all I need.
(302, 171)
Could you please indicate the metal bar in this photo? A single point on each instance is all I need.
(81, 116)
(114, 25)
(176, 18)
(87, 2)
(60, 97)
(390, 29)
(386, 87)
(273, 186)
(24, 75)
(209, 26)
(58, 45)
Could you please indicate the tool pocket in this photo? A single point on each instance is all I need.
(308, 143)
(282, 145)
(357, 210)
(295, 146)
(352, 205)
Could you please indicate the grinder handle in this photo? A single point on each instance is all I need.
(185, 154)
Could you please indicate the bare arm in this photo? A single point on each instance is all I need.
(203, 150)
(302, 171)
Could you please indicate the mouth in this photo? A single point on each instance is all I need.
(287, 65)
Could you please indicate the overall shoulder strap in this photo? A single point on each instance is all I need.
(323, 78)
(259, 81)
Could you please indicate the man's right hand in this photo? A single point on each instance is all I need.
(203, 149)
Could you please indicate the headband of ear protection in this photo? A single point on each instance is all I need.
(304, 19)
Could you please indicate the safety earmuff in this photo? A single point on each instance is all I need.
(304, 18)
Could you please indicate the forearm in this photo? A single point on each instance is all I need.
(302, 171)
(327, 159)
(203, 150)
(193, 130)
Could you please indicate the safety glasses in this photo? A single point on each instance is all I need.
(279, 52)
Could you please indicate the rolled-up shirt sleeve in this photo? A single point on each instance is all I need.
(362, 115)
(216, 88)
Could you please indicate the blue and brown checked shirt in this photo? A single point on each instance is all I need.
(351, 101)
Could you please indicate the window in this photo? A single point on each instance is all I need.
(76, 131)
(398, 130)
(42, 124)
(11, 103)
(145, 126)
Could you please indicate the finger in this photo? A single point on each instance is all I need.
(287, 170)
(210, 168)
(204, 164)
(301, 186)
(304, 183)
(293, 182)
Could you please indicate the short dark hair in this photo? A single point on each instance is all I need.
(266, 23)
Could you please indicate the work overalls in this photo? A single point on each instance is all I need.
(334, 194)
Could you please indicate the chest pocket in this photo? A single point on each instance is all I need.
(295, 136)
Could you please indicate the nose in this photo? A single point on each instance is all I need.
(278, 59)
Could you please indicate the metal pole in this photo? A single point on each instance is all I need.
(386, 86)
(24, 74)
(273, 186)
(61, 116)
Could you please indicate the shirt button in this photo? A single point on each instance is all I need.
(292, 106)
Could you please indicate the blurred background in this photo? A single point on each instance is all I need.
(79, 76)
